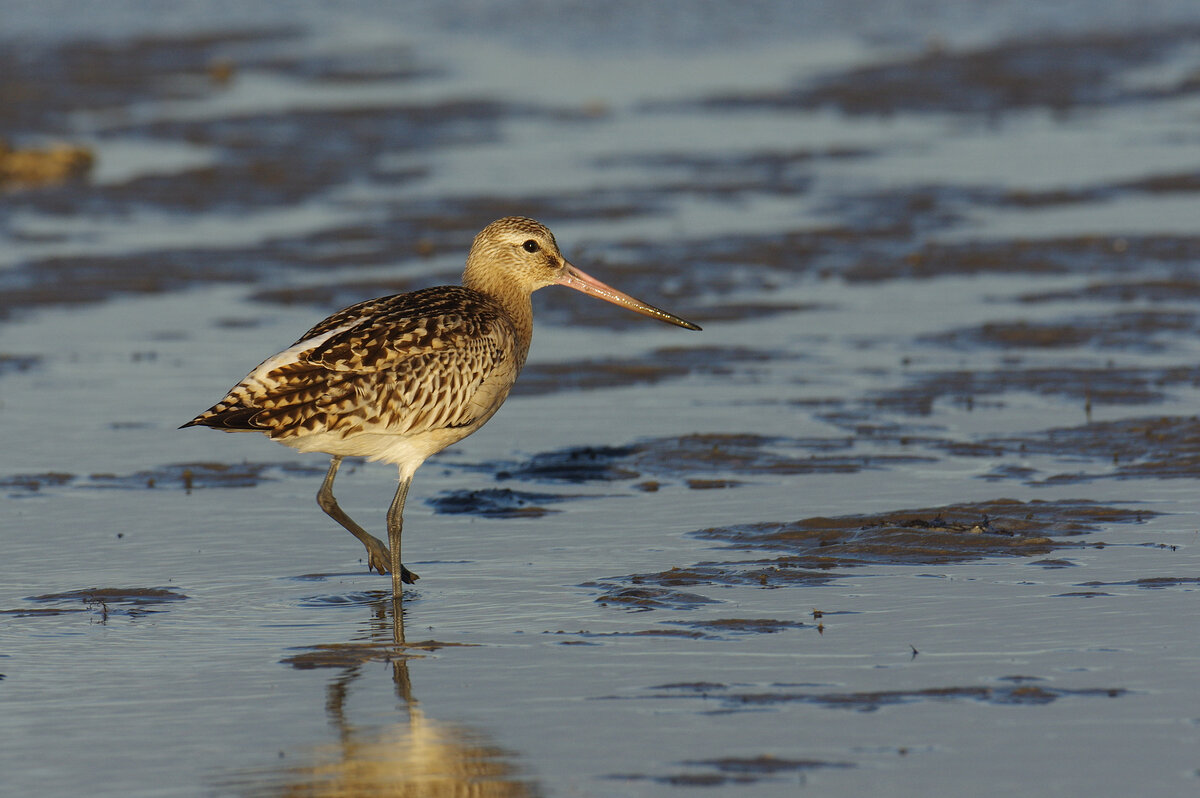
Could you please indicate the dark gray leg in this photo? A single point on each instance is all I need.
(395, 525)
(377, 553)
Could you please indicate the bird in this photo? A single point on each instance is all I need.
(399, 378)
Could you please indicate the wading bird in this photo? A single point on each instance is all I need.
(400, 378)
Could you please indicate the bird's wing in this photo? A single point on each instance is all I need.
(399, 365)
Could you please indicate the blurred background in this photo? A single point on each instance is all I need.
(914, 513)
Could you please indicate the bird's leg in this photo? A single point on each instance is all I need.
(395, 525)
(377, 553)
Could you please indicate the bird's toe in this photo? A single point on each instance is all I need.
(378, 557)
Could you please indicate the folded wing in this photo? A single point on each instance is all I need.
(401, 365)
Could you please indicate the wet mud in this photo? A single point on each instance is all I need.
(1058, 72)
(679, 457)
(1180, 288)
(732, 176)
(649, 369)
(735, 698)
(102, 602)
(320, 174)
(259, 161)
(731, 771)
(716, 629)
(496, 503)
(1133, 331)
(45, 83)
(1085, 255)
(816, 551)
(185, 476)
(353, 655)
(1153, 583)
(1104, 385)
(1163, 447)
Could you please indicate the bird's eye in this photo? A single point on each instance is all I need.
(531, 246)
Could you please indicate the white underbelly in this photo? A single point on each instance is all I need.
(407, 451)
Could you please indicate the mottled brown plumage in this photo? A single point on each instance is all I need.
(402, 377)
(410, 364)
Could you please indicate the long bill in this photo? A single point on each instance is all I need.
(580, 281)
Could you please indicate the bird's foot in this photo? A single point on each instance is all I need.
(380, 559)
(378, 556)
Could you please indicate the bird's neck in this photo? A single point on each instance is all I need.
(515, 302)
(520, 311)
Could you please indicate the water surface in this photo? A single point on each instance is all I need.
(914, 514)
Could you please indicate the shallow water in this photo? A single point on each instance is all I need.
(914, 514)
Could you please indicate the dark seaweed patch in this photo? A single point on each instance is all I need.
(32, 483)
(676, 633)
(1088, 255)
(716, 629)
(496, 503)
(544, 378)
(351, 655)
(734, 771)
(201, 475)
(36, 612)
(1054, 564)
(1054, 71)
(1159, 447)
(78, 280)
(132, 602)
(1018, 693)
(876, 239)
(1177, 289)
(258, 161)
(763, 765)
(1137, 331)
(742, 626)
(812, 551)
(710, 453)
(1170, 183)
(44, 83)
(731, 175)
(1152, 583)
(365, 65)
(650, 598)
(712, 484)
(1098, 385)
(944, 534)
(187, 476)
(662, 590)
(653, 367)
(580, 464)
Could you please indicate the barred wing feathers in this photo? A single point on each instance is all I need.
(400, 365)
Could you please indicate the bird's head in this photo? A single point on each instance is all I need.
(521, 254)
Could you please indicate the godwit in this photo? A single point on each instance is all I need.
(402, 377)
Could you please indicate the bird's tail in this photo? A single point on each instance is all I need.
(228, 417)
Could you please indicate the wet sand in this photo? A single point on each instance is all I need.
(914, 515)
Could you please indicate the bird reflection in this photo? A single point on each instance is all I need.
(420, 757)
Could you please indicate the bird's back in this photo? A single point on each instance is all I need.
(432, 364)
